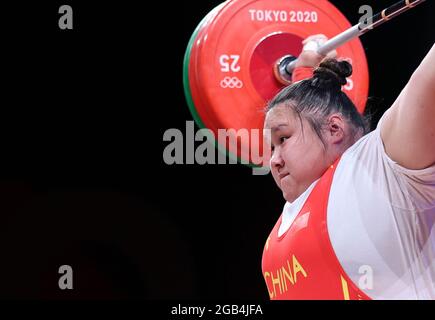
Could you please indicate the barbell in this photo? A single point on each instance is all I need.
(243, 52)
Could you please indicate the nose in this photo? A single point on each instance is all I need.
(276, 161)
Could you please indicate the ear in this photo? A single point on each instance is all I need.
(335, 130)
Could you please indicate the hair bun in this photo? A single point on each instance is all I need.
(332, 73)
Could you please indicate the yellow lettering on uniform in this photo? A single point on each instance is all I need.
(267, 243)
(345, 288)
(288, 274)
(276, 281)
(283, 284)
(297, 267)
(266, 274)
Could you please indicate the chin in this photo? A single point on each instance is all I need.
(288, 196)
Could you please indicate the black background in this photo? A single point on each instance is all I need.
(82, 178)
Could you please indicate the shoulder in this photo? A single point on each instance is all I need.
(367, 162)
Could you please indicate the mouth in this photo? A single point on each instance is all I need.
(282, 176)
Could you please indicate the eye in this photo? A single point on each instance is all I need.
(283, 139)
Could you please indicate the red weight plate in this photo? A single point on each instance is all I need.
(193, 88)
(189, 63)
(231, 71)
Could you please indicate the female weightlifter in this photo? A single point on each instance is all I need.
(358, 222)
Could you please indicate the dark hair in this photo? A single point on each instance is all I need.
(318, 97)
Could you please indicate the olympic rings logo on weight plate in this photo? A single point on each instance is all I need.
(231, 83)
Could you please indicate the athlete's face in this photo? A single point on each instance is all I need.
(298, 155)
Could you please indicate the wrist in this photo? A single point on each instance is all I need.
(301, 73)
(308, 59)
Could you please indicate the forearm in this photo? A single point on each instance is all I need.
(305, 65)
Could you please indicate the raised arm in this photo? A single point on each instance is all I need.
(408, 127)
